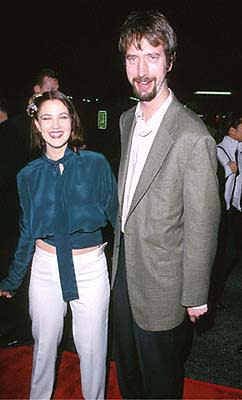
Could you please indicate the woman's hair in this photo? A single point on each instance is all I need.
(151, 25)
(76, 139)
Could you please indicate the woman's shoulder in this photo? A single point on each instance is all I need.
(94, 162)
(92, 156)
(29, 168)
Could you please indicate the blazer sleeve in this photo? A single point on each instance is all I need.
(202, 210)
(25, 247)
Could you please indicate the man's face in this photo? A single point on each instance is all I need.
(236, 133)
(146, 70)
(49, 84)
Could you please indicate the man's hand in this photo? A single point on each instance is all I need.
(233, 166)
(196, 312)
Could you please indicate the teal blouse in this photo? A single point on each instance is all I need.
(66, 210)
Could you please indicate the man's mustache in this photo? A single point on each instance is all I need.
(145, 79)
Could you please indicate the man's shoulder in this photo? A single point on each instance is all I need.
(189, 115)
(16, 122)
(183, 121)
(227, 141)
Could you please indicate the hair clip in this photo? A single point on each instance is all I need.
(32, 107)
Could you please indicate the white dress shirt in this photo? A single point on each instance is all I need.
(143, 137)
(233, 185)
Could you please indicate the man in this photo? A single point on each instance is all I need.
(45, 81)
(15, 153)
(229, 153)
(166, 232)
(15, 132)
(15, 135)
(3, 109)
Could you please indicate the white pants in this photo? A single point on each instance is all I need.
(89, 321)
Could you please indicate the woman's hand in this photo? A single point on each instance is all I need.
(5, 293)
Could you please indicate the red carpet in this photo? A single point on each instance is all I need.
(15, 372)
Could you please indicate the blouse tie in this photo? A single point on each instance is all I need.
(61, 234)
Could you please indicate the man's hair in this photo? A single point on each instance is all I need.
(39, 77)
(233, 120)
(151, 25)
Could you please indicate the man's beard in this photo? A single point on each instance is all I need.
(144, 95)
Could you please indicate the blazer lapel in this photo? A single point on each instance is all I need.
(126, 141)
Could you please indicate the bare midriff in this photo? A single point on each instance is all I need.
(51, 249)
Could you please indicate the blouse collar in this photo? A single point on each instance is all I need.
(67, 155)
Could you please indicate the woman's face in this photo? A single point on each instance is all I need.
(54, 123)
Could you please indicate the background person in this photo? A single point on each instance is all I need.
(15, 326)
(67, 196)
(15, 132)
(3, 109)
(229, 152)
(166, 233)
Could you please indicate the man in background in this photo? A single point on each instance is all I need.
(15, 326)
(15, 132)
(3, 109)
(229, 252)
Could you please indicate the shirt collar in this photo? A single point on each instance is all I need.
(154, 122)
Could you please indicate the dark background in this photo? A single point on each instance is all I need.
(79, 40)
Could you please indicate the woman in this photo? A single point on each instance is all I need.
(66, 196)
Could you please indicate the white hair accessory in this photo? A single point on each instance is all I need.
(32, 108)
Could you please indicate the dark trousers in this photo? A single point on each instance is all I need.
(150, 365)
(229, 253)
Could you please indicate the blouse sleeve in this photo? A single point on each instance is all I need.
(109, 194)
(25, 247)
